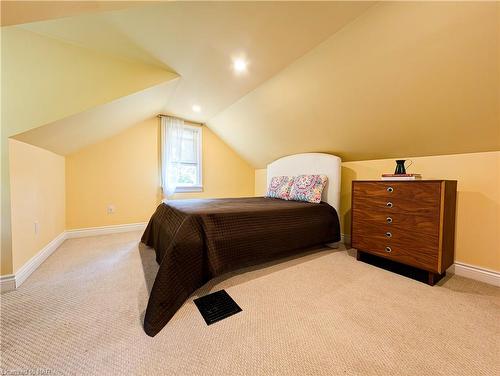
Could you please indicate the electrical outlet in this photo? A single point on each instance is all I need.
(111, 209)
(36, 227)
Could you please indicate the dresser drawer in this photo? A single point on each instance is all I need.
(394, 220)
(413, 256)
(421, 198)
(420, 250)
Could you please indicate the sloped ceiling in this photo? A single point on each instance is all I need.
(358, 80)
(404, 79)
(45, 80)
(22, 11)
(101, 122)
(198, 41)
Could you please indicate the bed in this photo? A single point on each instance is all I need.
(196, 240)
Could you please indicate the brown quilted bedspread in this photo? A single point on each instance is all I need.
(196, 240)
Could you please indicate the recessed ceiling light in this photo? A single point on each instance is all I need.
(196, 108)
(240, 65)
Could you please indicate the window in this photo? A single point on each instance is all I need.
(189, 177)
(180, 156)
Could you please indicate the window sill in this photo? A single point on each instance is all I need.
(194, 188)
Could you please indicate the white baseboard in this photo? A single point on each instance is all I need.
(7, 282)
(491, 277)
(12, 281)
(104, 230)
(474, 272)
(30, 266)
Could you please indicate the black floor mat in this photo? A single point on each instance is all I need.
(216, 306)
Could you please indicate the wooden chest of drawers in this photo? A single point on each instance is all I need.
(411, 222)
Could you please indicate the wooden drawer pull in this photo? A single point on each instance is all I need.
(388, 249)
(389, 220)
(390, 189)
(389, 204)
(388, 234)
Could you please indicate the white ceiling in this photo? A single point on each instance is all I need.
(199, 39)
(19, 12)
(404, 79)
(70, 134)
(359, 80)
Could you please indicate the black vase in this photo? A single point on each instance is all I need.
(400, 167)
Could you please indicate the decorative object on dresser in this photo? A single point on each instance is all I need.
(400, 167)
(411, 222)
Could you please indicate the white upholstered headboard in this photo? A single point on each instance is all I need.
(309, 164)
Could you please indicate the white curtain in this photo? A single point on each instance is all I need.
(171, 146)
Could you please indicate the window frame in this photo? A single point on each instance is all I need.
(198, 133)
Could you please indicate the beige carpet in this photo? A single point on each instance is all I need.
(320, 314)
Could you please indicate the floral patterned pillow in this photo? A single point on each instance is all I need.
(308, 188)
(280, 187)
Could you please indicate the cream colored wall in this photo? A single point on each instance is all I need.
(260, 182)
(225, 173)
(38, 195)
(120, 171)
(477, 240)
(45, 79)
(123, 171)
